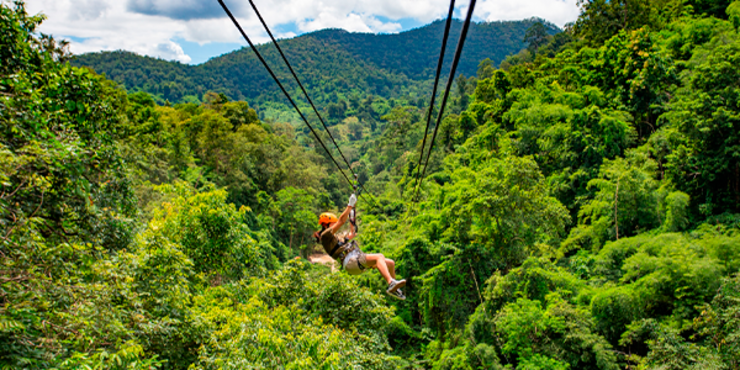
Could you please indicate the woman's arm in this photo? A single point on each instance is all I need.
(342, 219)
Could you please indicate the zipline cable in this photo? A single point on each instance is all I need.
(434, 89)
(295, 76)
(264, 63)
(450, 79)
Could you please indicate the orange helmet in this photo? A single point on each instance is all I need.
(327, 218)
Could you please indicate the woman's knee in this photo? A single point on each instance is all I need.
(375, 256)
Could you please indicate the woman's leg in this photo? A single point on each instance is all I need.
(378, 261)
(391, 267)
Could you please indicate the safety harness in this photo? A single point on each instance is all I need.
(340, 244)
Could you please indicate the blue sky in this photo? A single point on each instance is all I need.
(201, 53)
(193, 31)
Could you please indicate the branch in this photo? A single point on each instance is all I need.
(476, 283)
(44, 323)
(17, 278)
(14, 191)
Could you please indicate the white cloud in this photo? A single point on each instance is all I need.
(559, 12)
(172, 51)
(88, 9)
(351, 22)
(109, 25)
(216, 30)
(149, 27)
(379, 26)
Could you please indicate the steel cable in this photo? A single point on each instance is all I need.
(455, 61)
(295, 76)
(264, 63)
(434, 89)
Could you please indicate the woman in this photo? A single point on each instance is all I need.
(345, 250)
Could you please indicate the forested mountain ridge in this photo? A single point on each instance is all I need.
(331, 63)
(581, 211)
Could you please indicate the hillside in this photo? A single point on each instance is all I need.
(332, 63)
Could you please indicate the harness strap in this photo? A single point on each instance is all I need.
(361, 266)
(336, 248)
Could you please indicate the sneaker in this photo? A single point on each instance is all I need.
(398, 294)
(395, 285)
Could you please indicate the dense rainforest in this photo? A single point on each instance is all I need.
(334, 63)
(581, 210)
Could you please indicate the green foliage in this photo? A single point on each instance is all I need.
(733, 12)
(613, 308)
(502, 207)
(212, 234)
(668, 350)
(704, 161)
(719, 322)
(527, 333)
(534, 280)
(66, 207)
(677, 204)
(539, 362)
(217, 142)
(602, 125)
(296, 216)
(492, 218)
(668, 274)
(298, 318)
(83, 284)
(624, 204)
(601, 19)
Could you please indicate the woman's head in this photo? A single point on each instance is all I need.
(327, 219)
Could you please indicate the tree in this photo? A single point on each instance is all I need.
(462, 93)
(733, 13)
(536, 36)
(625, 203)
(239, 113)
(485, 69)
(296, 218)
(212, 234)
(602, 19)
(704, 161)
(715, 8)
(355, 128)
(337, 111)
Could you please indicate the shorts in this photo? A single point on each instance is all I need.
(355, 262)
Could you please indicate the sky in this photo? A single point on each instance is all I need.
(193, 31)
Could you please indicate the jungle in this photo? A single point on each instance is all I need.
(581, 210)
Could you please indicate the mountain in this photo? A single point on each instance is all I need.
(332, 63)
